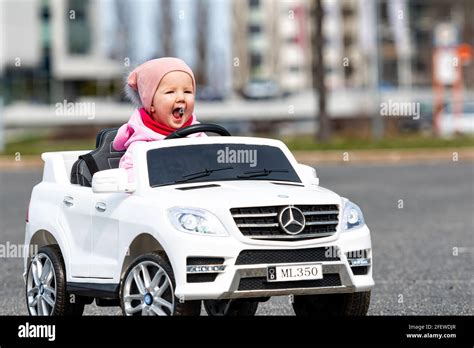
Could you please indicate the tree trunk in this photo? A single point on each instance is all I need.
(317, 43)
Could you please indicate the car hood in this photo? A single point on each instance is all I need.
(241, 193)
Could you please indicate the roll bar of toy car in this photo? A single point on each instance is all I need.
(197, 128)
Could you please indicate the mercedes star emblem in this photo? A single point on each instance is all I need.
(292, 220)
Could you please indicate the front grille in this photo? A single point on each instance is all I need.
(251, 257)
(361, 270)
(260, 283)
(201, 277)
(263, 222)
(200, 261)
(353, 256)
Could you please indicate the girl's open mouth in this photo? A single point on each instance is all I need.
(178, 113)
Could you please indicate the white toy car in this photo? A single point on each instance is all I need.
(227, 221)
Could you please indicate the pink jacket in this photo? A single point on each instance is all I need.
(135, 132)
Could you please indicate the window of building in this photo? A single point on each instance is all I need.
(348, 40)
(255, 60)
(347, 11)
(255, 29)
(254, 3)
(78, 27)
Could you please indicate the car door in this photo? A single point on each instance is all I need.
(105, 234)
(75, 221)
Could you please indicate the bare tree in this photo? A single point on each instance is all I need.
(318, 71)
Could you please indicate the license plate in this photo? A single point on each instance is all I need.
(294, 272)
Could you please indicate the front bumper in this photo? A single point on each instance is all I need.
(245, 280)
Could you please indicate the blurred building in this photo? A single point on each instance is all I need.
(342, 52)
(406, 38)
(220, 47)
(21, 20)
(334, 57)
(22, 49)
(67, 49)
(271, 41)
(398, 32)
(77, 38)
(294, 55)
(424, 16)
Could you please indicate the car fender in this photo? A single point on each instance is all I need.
(55, 231)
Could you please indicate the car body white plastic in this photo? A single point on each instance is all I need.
(95, 230)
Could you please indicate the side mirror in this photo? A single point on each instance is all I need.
(308, 174)
(111, 181)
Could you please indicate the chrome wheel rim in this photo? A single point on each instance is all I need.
(148, 291)
(41, 286)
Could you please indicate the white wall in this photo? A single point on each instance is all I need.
(94, 65)
(20, 40)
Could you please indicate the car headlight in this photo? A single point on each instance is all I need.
(196, 221)
(352, 216)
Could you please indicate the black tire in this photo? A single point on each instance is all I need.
(186, 308)
(64, 304)
(332, 305)
(230, 308)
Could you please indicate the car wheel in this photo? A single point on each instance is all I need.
(230, 307)
(46, 285)
(148, 289)
(332, 305)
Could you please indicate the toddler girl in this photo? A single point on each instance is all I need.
(164, 88)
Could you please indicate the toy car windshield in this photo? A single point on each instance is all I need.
(218, 162)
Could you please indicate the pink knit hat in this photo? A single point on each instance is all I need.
(146, 77)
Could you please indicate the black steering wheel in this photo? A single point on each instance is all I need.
(198, 128)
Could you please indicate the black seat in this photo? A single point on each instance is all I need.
(103, 157)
